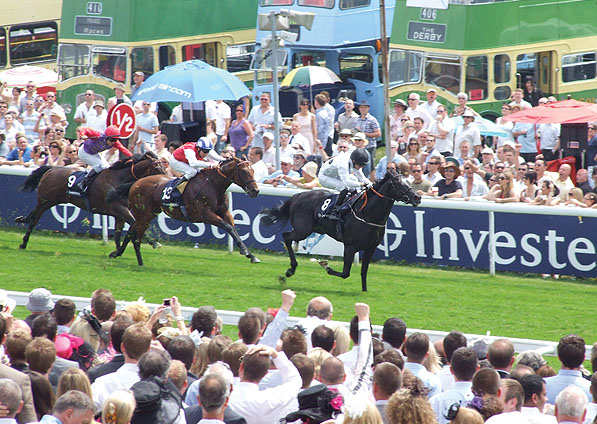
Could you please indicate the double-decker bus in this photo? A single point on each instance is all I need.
(29, 33)
(103, 43)
(345, 37)
(487, 48)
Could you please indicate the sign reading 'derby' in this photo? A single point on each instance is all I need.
(541, 244)
(426, 31)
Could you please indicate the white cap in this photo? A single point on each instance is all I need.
(268, 135)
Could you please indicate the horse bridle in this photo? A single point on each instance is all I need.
(229, 178)
(153, 162)
(358, 218)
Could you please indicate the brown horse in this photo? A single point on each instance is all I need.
(204, 198)
(51, 182)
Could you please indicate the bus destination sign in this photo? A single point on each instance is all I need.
(426, 31)
(93, 25)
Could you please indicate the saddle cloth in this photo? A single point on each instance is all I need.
(74, 184)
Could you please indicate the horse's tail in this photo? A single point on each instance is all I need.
(120, 192)
(277, 215)
(32, 180)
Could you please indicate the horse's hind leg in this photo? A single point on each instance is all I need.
(288, 240)
(227, 224)
(32, 219)
(367, 256)
(118, 232)
(349, 252)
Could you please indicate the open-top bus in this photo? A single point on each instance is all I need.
(345, 37)
(103, 43)
(29, 33)
(487, 49)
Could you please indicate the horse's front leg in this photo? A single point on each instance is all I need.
(226, 223)
(349, 252)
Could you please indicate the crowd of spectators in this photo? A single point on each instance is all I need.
(443, 155)
(139, 366)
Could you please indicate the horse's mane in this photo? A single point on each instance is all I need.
(389, 174)
(127, 162)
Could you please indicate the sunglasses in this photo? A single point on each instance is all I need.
(501, 178)
(239, 110)
(59, 130)
(342, 147)
(88, 94)
(434, 163)
(72, 151)
(411, 99)
(449, 170)
(416, 170)
(29, 86)
(499, 167)
(467, 168)
(409, 126)
(413, 144)
(53, 146)
(146, 104)
(264, 99)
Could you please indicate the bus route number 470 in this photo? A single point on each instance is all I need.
(124, 117)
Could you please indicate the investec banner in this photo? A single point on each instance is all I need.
(524, 242)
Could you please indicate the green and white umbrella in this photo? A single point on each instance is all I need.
(309, 75)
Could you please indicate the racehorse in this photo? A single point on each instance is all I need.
(364, 225)
(204, 200)
(52, 183)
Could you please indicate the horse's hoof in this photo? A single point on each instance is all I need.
(156, 245)
(330, 271)
(255, 260)
(114, 254)
(20, 219)
(324, 264)
(289, 272)
(22, 246)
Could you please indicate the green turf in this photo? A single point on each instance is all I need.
(425, 297)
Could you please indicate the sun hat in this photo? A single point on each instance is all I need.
(40, 300)
(310, 168)
(451, 162)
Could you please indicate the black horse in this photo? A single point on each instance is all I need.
(364, 224)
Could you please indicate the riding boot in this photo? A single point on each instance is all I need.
(335, 212)
(84, 185)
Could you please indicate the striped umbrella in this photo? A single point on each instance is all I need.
(21, 75)
(309, 75)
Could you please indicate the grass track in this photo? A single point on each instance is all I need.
(430, 298)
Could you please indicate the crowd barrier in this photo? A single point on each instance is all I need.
(547, 348)
(480, 235)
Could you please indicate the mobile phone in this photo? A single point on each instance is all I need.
(167, 302)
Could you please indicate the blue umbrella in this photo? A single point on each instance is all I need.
(486, 127)
(191, 81)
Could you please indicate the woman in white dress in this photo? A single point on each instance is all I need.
(307, 121)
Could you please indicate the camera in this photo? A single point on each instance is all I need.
(167, 302)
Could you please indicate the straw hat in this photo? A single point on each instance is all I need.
(451, 163)
(310, 168)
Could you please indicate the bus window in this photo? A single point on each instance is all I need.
(356, 66)
(578, 67)
(328, 4)
(73, 61)
(276, 2)
(142, 60)
(501, 68)
(167, 56)
(263, 63)
(353, 4)
(405, 66)
(238, 57)
(109, 62)
(33, 43)
(206, 52)
(476, 77)
(307, 58)
(2, 47)
(443, 71)
(526, 65)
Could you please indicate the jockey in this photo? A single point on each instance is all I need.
(190, 156)
(95, 142)
(344, 173)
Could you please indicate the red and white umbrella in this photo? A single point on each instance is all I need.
(21, 75)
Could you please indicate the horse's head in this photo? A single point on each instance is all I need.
(242, 175)
(147, 164)
(400, 190)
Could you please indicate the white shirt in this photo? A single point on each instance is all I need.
(299, 141)
(420, 112)
(443, 144)
(591, 413)
(514, 417)
(123, 378)
(259, 170)
(220, 112)
(430, 380)
(461, 393)
(430, 108)
(148, 121)
(534, 416)
(445, 375)
(309, 324)
(266, 406)
(95, 121)
(469, 133)
(83, 110)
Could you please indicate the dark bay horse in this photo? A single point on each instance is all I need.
(51, 183)
(204, 198)
(364, 224)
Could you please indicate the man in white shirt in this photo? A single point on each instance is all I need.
(265, 406)
(387, 379)
(416, 111)
(416, 349)
(431, 105)
(85, 108)
(135, 342)
(221, 112)
(535, 397)
(453, 340)
(468, 131)
(319, 312)
(297, 140)
(256, 159)
(592, 406)
(147, 127)
(269, 152)
(511, 397)
(443, 131)
(463, 367)
(96, 119)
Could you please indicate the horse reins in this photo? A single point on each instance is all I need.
(365, 204)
